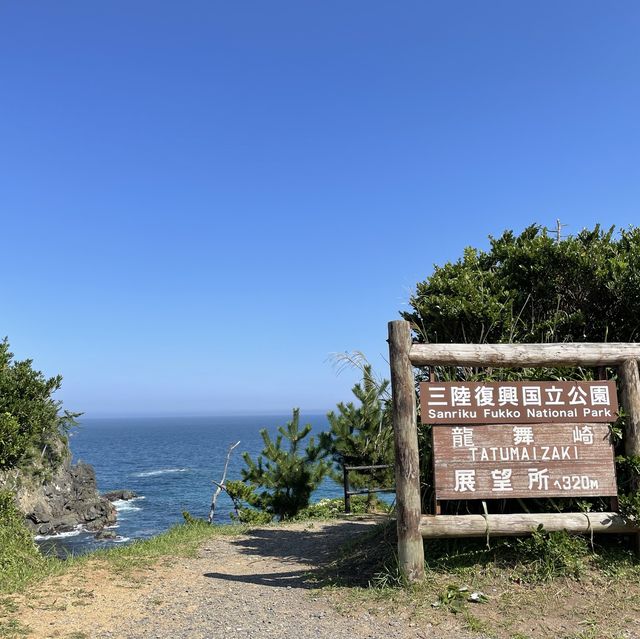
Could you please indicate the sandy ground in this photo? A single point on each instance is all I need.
(262, 584)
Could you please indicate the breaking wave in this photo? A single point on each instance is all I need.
(69, 533)
(162, 471)
(122, 505)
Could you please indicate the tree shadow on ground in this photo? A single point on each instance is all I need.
(319, 548)
(316, 544)
(292, 579)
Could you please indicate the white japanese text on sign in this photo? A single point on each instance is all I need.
(518, 402)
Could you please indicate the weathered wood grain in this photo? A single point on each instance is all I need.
(630, 383)
(433, 526)
(522, 355)
(630, 387)
(407, 464)
(551, 460)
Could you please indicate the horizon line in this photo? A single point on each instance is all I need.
(172, 414)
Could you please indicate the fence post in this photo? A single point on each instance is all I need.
(347, 488)
(630, 383)
(407, 465)
(630, 387)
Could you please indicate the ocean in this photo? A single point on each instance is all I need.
(170, 463)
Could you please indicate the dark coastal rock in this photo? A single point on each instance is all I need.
(117, 495)
(106, 534)
(67, 497)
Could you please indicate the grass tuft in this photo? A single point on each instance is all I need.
(13, 629)
(20, 558)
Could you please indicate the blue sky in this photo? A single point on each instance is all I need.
(201, 201)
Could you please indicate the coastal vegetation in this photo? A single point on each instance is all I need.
(361, 433)
(32, 422)
(33, 451)
(33, 431)
(20, 558)
(280, 482)
(533, 288)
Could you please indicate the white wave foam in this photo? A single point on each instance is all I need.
(69, 533)
(120, 540)
(122, 505)
(161, 471)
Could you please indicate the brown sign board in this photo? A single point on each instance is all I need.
(518, 402)
(500, 461)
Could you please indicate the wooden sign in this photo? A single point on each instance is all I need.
(518, 402)
(494, 461)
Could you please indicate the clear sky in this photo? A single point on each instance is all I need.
(200, 201)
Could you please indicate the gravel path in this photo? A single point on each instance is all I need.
(262, 584)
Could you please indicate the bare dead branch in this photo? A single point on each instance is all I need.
(221, 486)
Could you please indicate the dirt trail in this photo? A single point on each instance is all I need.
(262, 584)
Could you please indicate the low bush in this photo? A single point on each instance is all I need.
(546, 555)
(332, 508)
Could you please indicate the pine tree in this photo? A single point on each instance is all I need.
(362, 435)
(284, 475)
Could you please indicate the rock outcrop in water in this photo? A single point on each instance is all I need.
(118, 495)
(61, 499)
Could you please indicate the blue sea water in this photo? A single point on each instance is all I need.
(170, 462)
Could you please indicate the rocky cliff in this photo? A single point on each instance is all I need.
(60, 499)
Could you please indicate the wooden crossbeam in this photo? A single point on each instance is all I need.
(523, 355)
(435, 526)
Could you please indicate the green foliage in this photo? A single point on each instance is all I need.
(531, 288)
(362, 434)
(250, 513)
(389, 577)
(453, 598)
(13, 629)
(541, 557)
(546, 555)
(19, 555)
(332, 508)
(191, 520)
(281, 480)
(31, 421)
(13, 441)
(627, 474)
(627, 469)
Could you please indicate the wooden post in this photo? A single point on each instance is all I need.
(630, 382)
(630, 386)
(347, 488)
(407, 466)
